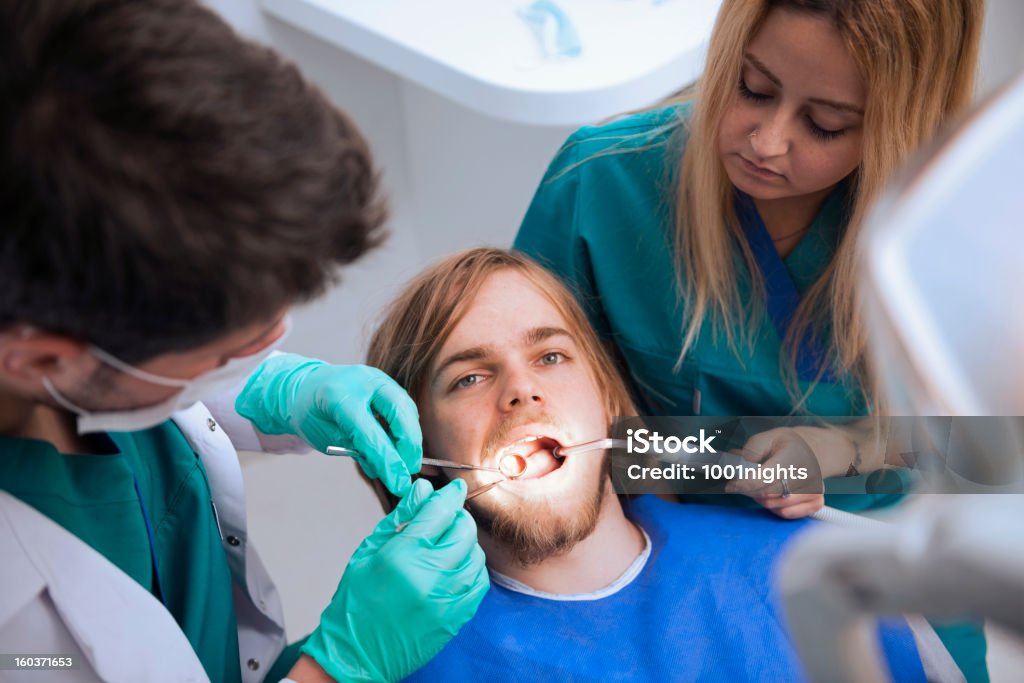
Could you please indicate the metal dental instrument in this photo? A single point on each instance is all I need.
(448, 464)
(512, 465)
(558, 452)
(338, 450)
(436, 462)
(483, 489)
(596, 445)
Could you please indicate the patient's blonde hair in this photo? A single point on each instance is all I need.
(418, 323)
(918, 60)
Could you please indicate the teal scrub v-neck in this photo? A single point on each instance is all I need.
(94, 497)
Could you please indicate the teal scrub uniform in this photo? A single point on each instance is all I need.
(603, 219)
(95, 497)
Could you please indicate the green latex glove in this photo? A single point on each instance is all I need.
(338, 405)
(405, 593)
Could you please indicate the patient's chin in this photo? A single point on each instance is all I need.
(532, 529)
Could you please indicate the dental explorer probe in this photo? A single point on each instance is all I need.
(483, 489)
(448, 464)
(513, 465)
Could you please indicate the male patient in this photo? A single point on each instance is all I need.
(500, 360)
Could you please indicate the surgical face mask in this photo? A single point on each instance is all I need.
(218, 380)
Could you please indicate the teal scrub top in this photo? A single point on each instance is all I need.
(603, 219)
(94, 497)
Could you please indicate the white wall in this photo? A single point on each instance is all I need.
(1002, 50)
(308, 514)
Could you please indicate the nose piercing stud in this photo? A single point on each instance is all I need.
(751, 136)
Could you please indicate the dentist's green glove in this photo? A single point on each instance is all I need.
(338, 405)
(405, 593)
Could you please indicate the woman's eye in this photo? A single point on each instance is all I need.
(817, 131)
(824, 134)
(749, 94)
(552, 358)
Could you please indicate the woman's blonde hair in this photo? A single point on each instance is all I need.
(918, 60)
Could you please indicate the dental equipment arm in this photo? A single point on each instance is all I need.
(954, 555)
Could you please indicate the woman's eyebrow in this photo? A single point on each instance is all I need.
(759, 65)
(842, 106)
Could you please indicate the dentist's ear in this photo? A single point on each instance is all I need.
(27, 355)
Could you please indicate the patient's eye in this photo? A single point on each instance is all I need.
(552, 358)
(467, 381)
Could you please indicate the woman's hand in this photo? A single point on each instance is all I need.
(791, 485)
(797, 505)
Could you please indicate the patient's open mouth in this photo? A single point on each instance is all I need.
(529, 458)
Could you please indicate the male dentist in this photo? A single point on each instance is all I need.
(168, 192)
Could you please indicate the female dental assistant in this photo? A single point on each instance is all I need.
(150, 252)
(713, 241)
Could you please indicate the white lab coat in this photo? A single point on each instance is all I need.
(58, 596)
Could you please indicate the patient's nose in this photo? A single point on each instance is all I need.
(522, 388)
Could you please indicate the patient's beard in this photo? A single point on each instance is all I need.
(531, 531)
